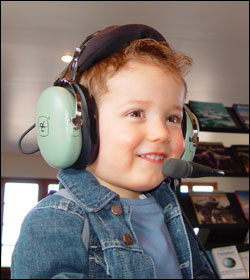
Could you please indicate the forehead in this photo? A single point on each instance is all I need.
(144, 80)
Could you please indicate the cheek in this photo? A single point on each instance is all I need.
(178, 146)
(119, 138)
(127, 139)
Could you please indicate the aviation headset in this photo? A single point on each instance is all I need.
(66, 115)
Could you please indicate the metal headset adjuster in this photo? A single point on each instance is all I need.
(194, 121)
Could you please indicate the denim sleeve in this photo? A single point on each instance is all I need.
(50, 246)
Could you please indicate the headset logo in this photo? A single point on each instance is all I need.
(43, 126)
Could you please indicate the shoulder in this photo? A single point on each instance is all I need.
(51, 235)
(53, 220)
(53, 211)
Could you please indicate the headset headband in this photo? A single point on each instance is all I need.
(103, 43)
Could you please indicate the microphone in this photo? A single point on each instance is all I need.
(177, 169)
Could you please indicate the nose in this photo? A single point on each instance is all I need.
(158, 131)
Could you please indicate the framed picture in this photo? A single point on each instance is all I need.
(243, 198)
(213, 208)
(241, 154)
(215, 155)
(242, 112)
(212, 115)
(218, 215)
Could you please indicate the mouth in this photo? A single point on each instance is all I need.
(154, 157)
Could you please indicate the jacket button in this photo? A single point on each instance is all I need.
(127, 239)
(116, 210)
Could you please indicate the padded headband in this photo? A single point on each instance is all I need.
(111, 39)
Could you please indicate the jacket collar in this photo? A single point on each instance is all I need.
(85, 187)
(93, 196)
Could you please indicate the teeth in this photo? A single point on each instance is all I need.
(153, 157)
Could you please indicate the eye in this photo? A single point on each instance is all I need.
(174, 119)
(136, 114)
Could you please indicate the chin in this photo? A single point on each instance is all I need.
(147, 186)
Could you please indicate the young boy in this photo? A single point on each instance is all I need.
(125, 221)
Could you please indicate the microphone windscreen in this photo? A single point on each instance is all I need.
(175, 168)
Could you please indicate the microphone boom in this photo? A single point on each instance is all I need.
(177, 169)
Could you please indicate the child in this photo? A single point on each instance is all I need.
(123, 220)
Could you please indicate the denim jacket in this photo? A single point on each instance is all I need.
(61, 239)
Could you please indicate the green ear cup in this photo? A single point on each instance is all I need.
(60, 144)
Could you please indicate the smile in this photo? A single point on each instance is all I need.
(157, 158)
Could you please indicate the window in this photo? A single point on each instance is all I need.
(198, 187)
(53, 188)
(18, 197)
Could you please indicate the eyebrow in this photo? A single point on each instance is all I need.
(146, 102)
(136, 102)
(177, 107)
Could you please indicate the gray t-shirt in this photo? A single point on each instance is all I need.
(153, 236)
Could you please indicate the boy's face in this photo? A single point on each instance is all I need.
(139, 127)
